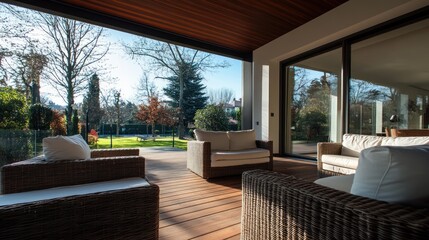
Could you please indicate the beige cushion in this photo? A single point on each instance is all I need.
(241, 140)
(404, 141)
(342, 183)
(65, 148)
(237, 155)
(218, 140)
(353, 144)
(394, 174)
(341, 161)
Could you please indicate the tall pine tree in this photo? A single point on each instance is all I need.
(91, 103)
(193, 93)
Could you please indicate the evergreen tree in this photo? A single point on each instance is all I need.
(91, 103)
(194, 97)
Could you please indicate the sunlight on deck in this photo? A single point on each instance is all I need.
(193, 208)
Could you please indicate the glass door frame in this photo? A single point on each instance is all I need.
(344, 43)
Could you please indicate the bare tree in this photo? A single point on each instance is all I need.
(112, 105)
(170, 59)
(220, 96)
(146, 89)
(13, 35)
(75, 49)
(27, 70)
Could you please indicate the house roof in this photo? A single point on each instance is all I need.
(232, 28)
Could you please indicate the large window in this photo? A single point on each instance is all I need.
(390, 81)
(312, 103)
(373, 83)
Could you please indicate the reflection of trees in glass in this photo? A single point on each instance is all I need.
(363, 96)
(311, 104)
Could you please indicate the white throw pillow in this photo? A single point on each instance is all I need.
(353, 144)
(219, 140)
(394, 174)
(242, 140)
(66, 148)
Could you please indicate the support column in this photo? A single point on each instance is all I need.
(265, 103)
(257, 99)
(247, 102)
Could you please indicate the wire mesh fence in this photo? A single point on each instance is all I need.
(18, 145)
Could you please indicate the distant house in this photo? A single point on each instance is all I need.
(233, 106)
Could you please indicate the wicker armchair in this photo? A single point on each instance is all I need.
(276, 206)
(327, 148)
(199, 160)
(130, 213)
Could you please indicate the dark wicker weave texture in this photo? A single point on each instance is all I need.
(115, 152)
(36, 173)
(199, 160)
(123, 214)
(119, 214)
(277, 206)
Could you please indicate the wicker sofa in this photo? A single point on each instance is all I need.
(218, 154)
(126, 207)
(335, 159)
(277, 206)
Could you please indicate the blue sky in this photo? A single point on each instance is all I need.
(127, 72)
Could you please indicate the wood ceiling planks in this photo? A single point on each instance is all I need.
(233, 28)
(242, 25)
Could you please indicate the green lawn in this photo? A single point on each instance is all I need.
(131, 142)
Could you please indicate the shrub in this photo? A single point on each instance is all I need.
(13, 109)
(212, 118)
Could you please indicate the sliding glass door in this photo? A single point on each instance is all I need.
(369, 84)
(312, 103)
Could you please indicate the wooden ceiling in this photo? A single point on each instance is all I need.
(229, 27)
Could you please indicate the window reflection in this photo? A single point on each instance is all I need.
(390, 77)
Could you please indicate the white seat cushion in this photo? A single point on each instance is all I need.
(341, 161)
(240, 155)
(218, 139)
(394, 174)
(342, 183)
(353, 144)
(66, 148)
(74, 190)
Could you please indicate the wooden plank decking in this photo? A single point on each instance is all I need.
(193, 208)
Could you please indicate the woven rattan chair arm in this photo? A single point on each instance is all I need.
(115, 152)
(37, 174)
(264, 144)
(277, 206)
(327, 148)
(199, 157)
(269, 146)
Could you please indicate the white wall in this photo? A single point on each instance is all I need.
(348, 18)
(246, 103)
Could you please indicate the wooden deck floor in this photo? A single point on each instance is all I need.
(193, 208)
